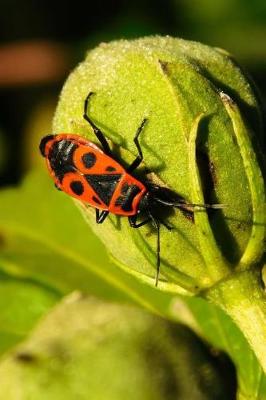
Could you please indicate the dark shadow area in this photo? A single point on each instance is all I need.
(208, 176)
(217, 367)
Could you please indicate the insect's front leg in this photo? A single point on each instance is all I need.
(100, 216)
(139, 157)
(99, 134)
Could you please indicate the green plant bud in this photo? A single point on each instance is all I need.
(203, 118)
(89, 349)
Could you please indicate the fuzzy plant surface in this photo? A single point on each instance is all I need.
(202, 140)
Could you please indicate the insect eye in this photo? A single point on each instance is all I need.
(44, 142)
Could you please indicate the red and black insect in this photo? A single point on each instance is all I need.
(92, 175)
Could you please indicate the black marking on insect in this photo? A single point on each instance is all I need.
(110, 169)
(128, 193)
(77, 187)
(88, 160)
(104, 185)
(62, 164)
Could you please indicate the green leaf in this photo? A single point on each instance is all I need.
(22, 303)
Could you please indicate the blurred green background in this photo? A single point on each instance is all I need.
(42, 41)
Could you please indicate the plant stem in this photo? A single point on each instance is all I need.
(242, 297)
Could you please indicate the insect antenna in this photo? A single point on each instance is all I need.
(184, 204)
(168, 198)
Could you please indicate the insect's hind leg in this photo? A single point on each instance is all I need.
(139, 157)
(98, 133)
(134, 224)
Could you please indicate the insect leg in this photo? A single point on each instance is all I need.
(133, 222)
(98, 133)
(139, 158)
(100, 216)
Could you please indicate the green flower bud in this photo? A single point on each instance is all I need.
(90, 349)
(202, 120)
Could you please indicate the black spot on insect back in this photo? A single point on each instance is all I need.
(89, 159)
(77, 187)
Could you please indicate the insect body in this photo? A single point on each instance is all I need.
(92, 175)
(83, 170)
